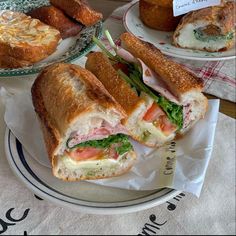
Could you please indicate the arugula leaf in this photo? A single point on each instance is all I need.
(122, 140)
(172, 110)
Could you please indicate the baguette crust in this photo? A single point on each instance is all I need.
(179, 80)
(57, 102)
(222, 16)
(54, 17)
(79, 10)
(101, 67)
(34, 42)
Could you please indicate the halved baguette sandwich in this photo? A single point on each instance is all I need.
(24, 41)
(81, 123)
(160, 97)
(209, 29)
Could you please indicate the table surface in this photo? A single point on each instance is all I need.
(107, 6)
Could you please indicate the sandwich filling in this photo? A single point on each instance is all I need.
(96, 158)
(202, 36)
(108, 148)
(211, 33)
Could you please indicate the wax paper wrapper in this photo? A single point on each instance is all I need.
(180, 164)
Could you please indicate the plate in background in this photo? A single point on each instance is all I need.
(78, 196)
(68, 50)
(163, 40)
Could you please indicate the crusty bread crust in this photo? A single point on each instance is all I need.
(79, 10)
(54, 17)
(157, 16)
(223, 16)
(21, 50)
(179, 80)
(101, 67)
(57, 102)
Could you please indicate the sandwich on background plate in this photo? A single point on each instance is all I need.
(210, 29)
(160, 97)
(81, 124)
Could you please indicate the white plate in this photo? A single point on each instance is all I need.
(78, 196)
(163, 40)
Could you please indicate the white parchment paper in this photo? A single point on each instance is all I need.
(181, 164)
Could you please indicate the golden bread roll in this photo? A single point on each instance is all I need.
(157, 16)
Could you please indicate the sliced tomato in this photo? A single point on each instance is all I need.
(121, 66)
(113, 153)
(166, 126)
(88, 153)
(153, 113)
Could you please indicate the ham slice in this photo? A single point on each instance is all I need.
(187, 110)
(150, 78)
(96, 134)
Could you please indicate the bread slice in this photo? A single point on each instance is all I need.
(135, 106)
(210, 29)
(69, 99)
(79, 10)
(23, 39)
(54, 17)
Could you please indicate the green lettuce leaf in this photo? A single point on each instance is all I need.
(122, 140)
(172, 110)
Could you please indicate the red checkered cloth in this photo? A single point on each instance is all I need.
(219, 76)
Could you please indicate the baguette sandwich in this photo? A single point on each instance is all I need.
(160, 97)
(81, 124)
(209, 29)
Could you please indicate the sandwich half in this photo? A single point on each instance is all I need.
(160, 97)
(210, 29)
(81, 124)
